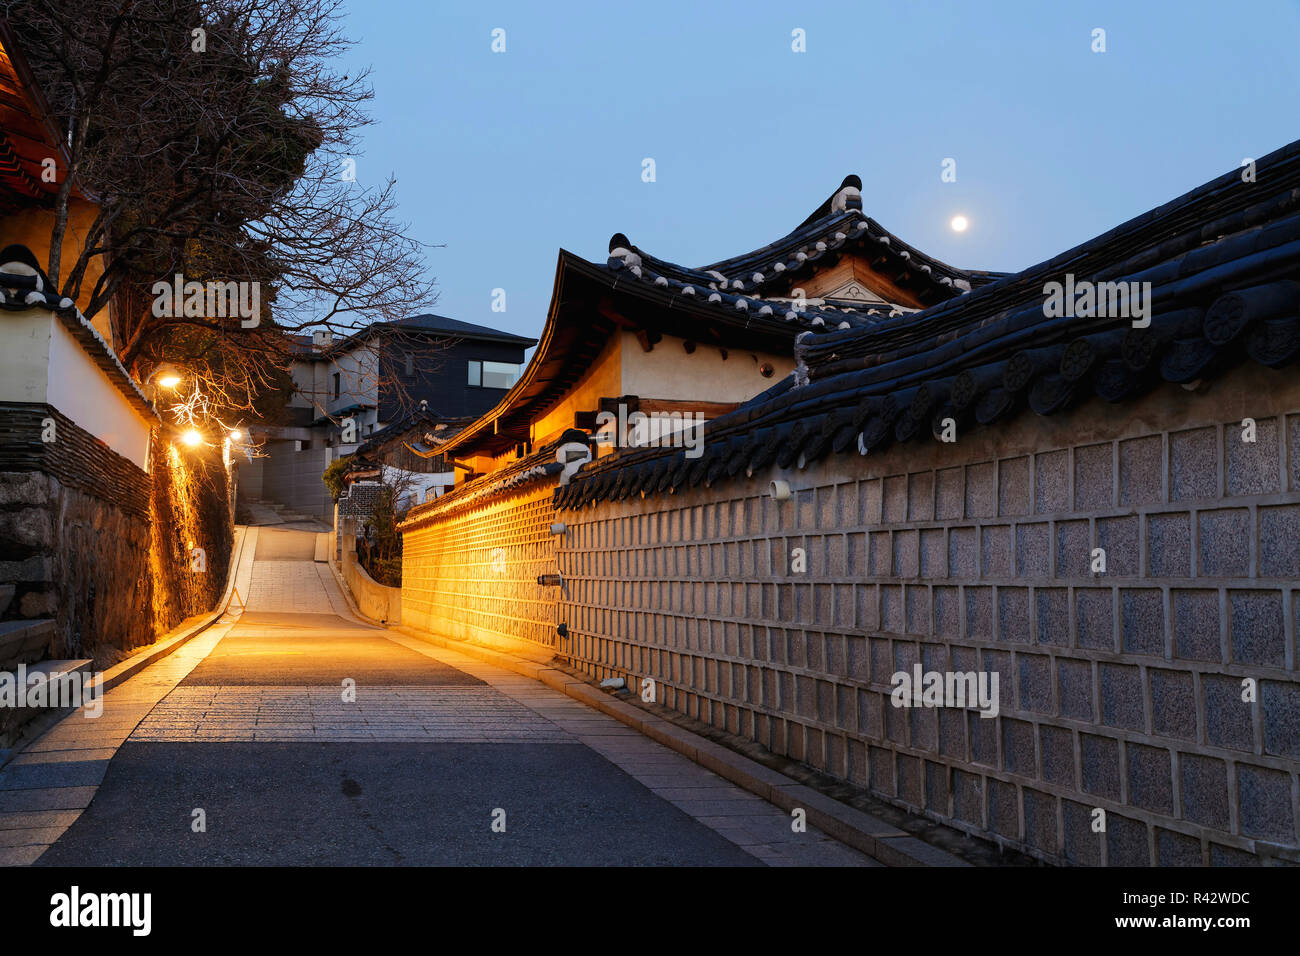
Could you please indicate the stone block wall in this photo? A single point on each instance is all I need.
(470, 571)
(1119, 689)
(74, 533)
(77, 559)
(95, 543)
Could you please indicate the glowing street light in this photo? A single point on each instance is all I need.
(236, 434)
(166, 376)
(192, 438)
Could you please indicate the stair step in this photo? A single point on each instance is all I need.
(51, 667)
(24, 641)
(55, 692)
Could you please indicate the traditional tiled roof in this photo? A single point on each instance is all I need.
(1223, 262)
(28, 135)
(742, 302)
(421, 429)
(761, 282)
(835, 228)
(24, 285)
(515, 477)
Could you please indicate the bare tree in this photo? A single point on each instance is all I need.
(219, 142)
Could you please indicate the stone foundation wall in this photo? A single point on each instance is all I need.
(471, 572)
(81, 542)
(77, 559)
(74, 533)
(1119, 690)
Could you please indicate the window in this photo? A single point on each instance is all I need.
(493, 374)
(336, 384)
(410, 364)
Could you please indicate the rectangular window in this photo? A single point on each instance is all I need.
(499, 375)
(493, 374)
(410, 365)
(336, 384)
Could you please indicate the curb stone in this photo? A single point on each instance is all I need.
(123, 670)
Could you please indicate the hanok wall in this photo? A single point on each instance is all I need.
(1120, 690)
(470, 571)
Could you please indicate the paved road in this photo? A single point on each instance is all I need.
(299, 735)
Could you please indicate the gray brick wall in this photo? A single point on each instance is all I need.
(1119, 690)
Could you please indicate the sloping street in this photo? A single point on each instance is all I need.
(295, 734)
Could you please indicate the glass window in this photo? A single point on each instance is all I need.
(410, 364)
(499, 374)
(476, 373)
(336, 384)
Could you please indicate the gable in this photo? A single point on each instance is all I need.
(853, 279)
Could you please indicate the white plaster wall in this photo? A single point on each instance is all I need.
(358, 382)
(24, 355)
(40, 361)
(669, 372)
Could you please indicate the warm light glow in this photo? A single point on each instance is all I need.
(959, 223)
(236, 434)
(169, 380)
(192, 438)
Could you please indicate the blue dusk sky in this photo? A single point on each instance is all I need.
(504, 158)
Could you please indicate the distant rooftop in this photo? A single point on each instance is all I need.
(307, 344)
(464, 330)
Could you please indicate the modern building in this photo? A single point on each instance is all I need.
(348, 391)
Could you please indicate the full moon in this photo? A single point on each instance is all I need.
(959, 223)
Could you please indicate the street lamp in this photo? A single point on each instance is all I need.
(192, 438)
(166, 376)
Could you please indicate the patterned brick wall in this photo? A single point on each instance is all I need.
(471, 571)
(1119, 690)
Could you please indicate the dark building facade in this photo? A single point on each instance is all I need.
(463, 370)
(347, 392)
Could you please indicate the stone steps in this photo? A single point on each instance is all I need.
(24, 641)
(52, 667)
(14, 718)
